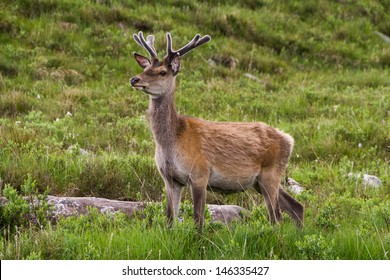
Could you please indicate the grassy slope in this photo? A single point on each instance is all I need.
(64, 70)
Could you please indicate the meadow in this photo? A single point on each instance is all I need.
(71, 125)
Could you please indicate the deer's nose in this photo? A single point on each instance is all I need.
(134, 81)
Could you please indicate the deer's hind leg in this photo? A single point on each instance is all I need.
(291, 206)
(268, 186)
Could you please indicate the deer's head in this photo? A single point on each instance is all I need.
(158, 77)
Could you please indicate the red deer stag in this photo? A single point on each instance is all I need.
(224, 156)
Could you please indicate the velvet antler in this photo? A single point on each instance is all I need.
(148, 45)
(195, 42)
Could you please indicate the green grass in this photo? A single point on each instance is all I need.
(323, 78)
(97, 236)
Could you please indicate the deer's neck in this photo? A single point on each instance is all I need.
(164, 119)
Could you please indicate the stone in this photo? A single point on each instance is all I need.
(252, 77)
(371, 181)
(294, 186)
(366, 179)
(212, 63)
(225, 213)
(73, 206)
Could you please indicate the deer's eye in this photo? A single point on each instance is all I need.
(163, 73)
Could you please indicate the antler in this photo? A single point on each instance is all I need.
(147, 45)
(195, 42)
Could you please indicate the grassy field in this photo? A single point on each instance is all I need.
(70, 122)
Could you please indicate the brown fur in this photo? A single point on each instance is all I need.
(225, 156)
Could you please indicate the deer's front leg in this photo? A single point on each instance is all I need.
(173, 191)
(198, 189)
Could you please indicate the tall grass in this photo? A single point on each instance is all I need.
(97, 236)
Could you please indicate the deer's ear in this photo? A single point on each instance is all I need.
(142, 60)
(175, 65)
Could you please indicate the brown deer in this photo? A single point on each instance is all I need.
(224, 156)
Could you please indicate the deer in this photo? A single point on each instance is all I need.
(221, 156)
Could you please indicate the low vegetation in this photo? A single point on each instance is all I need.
(71, 125)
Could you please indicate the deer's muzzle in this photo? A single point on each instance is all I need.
(134, 81)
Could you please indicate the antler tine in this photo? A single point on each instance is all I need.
(147, 45)
(189, 46)
(149, 48)
(137, 40)
(150, 41)
(195, 42)
(170, 52)
(205, 39)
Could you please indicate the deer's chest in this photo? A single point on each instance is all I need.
(170, 166)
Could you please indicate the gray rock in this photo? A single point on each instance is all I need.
(366, 179)
(72, 206)
(212, 63)
(252, 77)
(371, 181)
(225, 213)
(294, 186)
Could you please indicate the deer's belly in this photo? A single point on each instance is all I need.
(226, 183)
(233, 181)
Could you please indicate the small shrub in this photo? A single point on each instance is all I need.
(382, 214)
(385, 58)
(154, 215)
(15, 103)
(34, 256)
(8, 69)
(25, 209)
(327, 218)
(315, 247)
